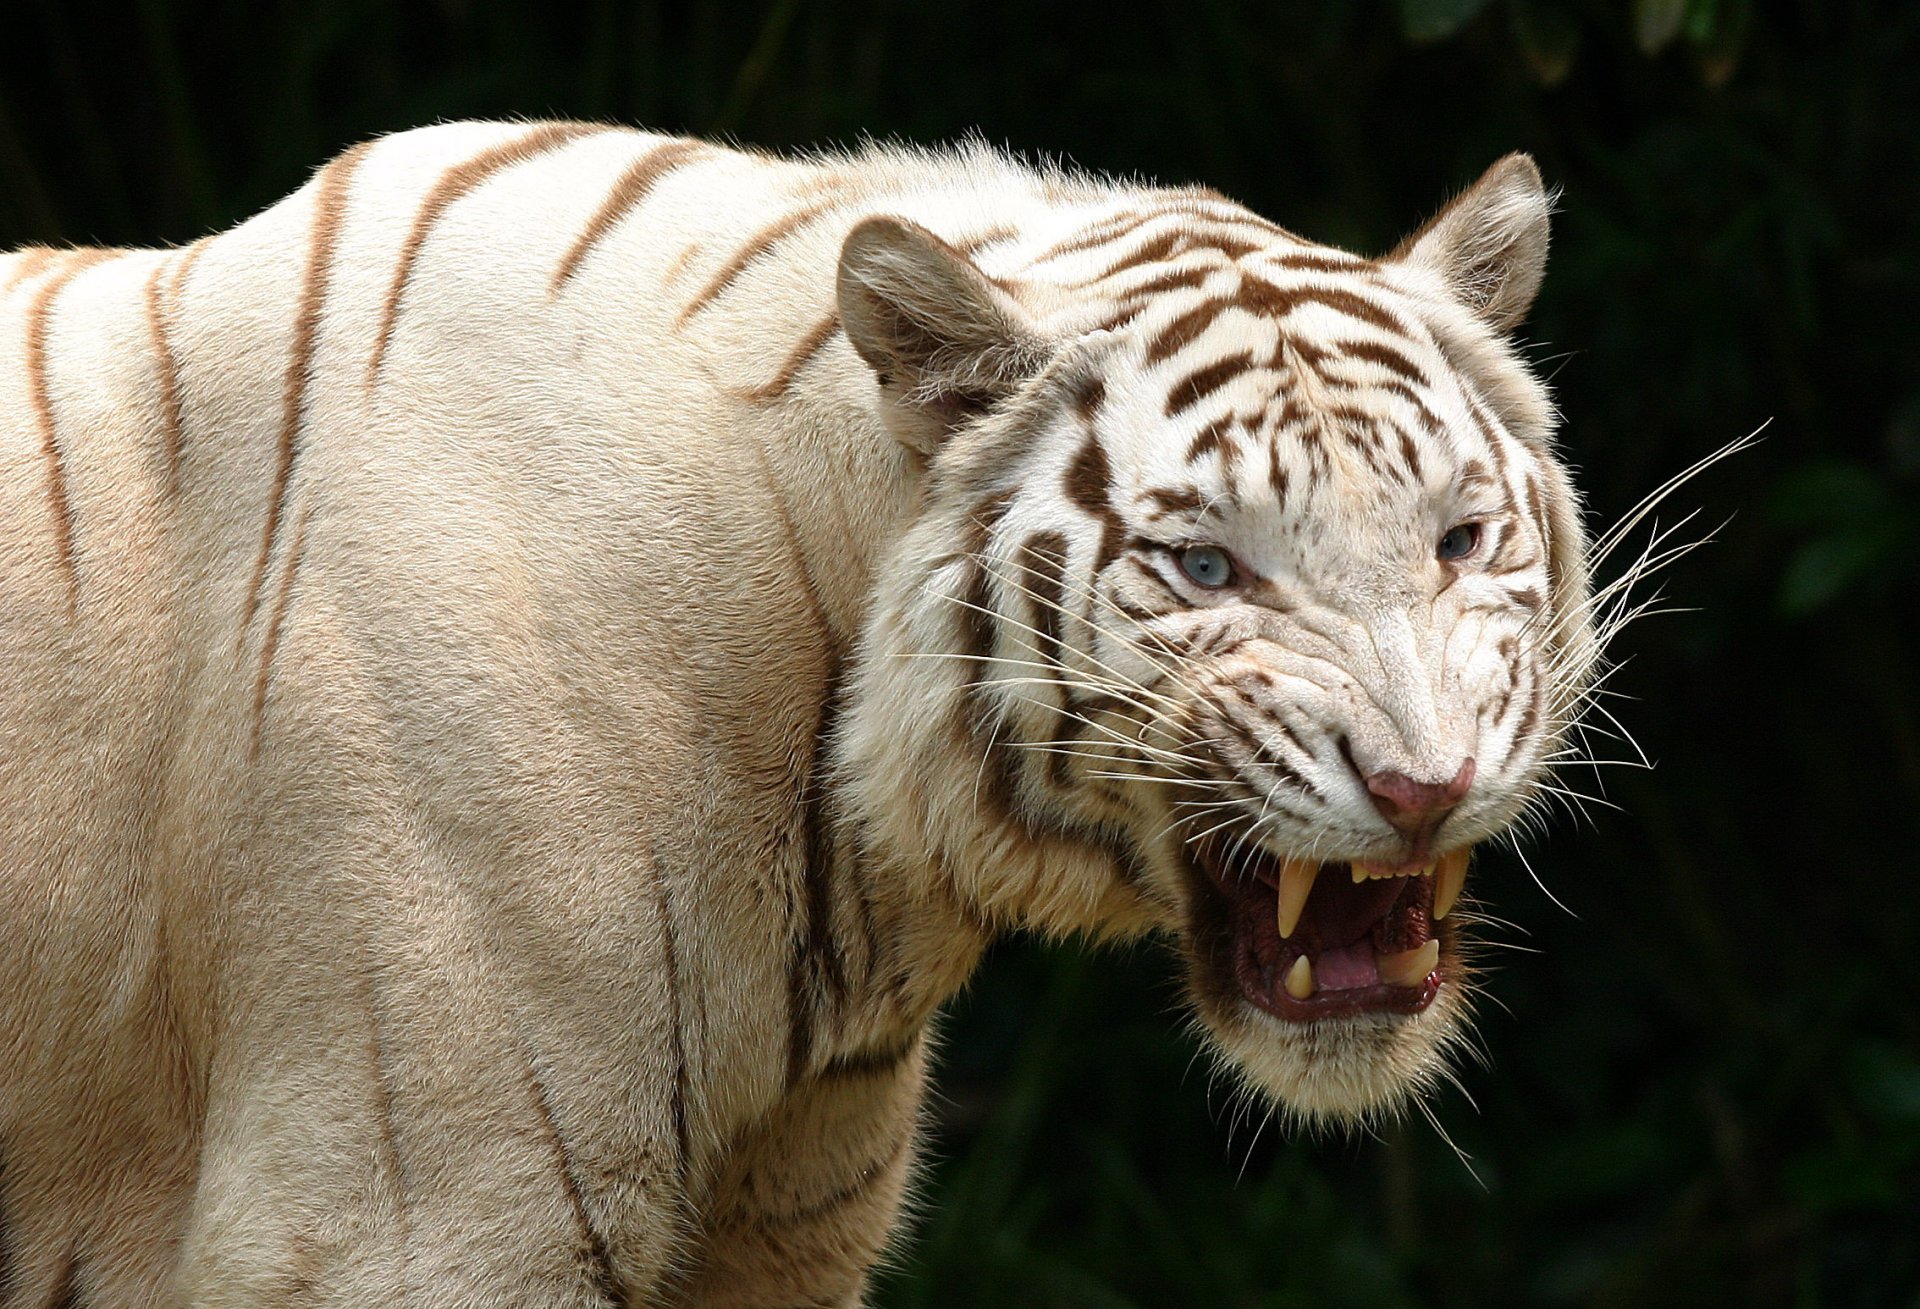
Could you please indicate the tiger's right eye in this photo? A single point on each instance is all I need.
(1207, 565)
(1460, 542)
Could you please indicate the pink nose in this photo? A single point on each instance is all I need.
(1416, 808)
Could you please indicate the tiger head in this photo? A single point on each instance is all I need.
(1246, 598)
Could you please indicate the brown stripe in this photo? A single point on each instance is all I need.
(1203, 382)
(1102, 232)
(1530, 719)
(329, 210)
(670, 958)
(1088, 484)
(640, 177)
(1177, 279)
(1409, 452)
(1376, 352)
(815, 952)
(32, 260)
(1183, 331)
(598, 1268)
(992, 236)
(1324, 262)
(1181, 500)
(1088, 398)
(1212, 439)
(1044, 561)
(453, 184)
(758, 245)
(869, 1062)
(295, 550)
(66, 1290)
(40, 396)
(383, 1112)
(868, 1178)
(803, 354)
(167, 370)
(1344, 302)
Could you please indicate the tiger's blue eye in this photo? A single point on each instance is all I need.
(1207, 565)
(1459, 542)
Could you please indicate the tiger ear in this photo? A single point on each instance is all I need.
(945, 342)
(1490, 245)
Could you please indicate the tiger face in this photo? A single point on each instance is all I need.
(1253, 610)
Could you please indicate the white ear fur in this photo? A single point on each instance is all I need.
(945, 341)
(1490, 245)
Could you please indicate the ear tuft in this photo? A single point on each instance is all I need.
(945, 341)
(1490, 245)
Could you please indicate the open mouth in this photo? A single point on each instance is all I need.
(1319, 940)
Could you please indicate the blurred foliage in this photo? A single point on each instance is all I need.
(1704, 1089)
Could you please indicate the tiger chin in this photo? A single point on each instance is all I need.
(534, 667)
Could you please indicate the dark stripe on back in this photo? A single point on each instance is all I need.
(640, 177)
(453, 184)
(816, 954)
(167, 370)
(596, 1267)
(757, 246)
(329, 210)
(40, 396)
(296, 548)
(383, 1111)
(32, 260)
(670, 958)
(803, 354)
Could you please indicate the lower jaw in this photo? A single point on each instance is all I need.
(1261, 985)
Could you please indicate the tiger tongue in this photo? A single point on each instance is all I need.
(1347, 968)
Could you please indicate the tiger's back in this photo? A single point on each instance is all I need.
(424, 609)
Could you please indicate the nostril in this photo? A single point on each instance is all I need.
(1408, 804)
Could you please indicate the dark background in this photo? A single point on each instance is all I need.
(1703, 1088)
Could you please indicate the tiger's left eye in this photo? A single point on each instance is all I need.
(1460, 542)
(1207, 565)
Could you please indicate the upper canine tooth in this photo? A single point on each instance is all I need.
(1296, 883)
(1449, 875)
(1360, 873)
(1409, 967)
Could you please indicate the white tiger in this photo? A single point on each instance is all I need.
(523, 690)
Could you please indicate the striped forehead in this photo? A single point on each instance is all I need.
(1249, 389)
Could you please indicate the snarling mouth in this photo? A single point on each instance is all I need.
(1318, 940)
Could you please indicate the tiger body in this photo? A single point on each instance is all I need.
(476, 830)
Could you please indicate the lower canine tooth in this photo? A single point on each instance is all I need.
(1296, 883)
(1408, 968)
(1449, 876)
(1299, 982)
